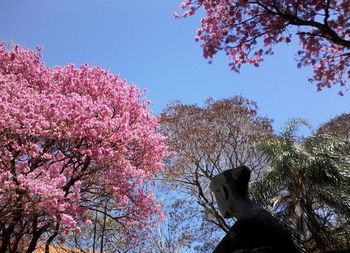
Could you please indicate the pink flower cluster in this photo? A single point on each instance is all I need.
(247, 31)
(65, 131)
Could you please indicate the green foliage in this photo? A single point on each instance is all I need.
(308, 184)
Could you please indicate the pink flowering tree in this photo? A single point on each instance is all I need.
(70, 138)
(247, 30)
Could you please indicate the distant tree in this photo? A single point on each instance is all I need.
(308, 182)
(67, 137)
(338, 126)
(248, 30)
(171, 236)
(105, 233)
(206, 141)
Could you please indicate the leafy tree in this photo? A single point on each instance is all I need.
(248, 30)
(206, 141)
(338, 126)
(308, 182)
(69, 136)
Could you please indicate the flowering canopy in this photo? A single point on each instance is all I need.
(68, 134)
(247, 30)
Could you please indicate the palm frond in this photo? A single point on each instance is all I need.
(308, 179)
(290, 129)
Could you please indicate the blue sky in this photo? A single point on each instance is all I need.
(141, 41)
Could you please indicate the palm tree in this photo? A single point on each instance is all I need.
(308, 182)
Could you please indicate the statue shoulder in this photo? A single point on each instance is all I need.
(260, 229)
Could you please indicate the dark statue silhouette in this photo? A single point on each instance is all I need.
(255, 230)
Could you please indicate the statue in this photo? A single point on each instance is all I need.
(255, 230)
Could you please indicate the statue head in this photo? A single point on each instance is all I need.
(231, 190)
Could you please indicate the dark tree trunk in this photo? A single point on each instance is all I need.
(51, 238)
(33, 242)
(103, 228)
(36, 235)
(6, 238)
(315, 227)
(18, 237)
(94, 239)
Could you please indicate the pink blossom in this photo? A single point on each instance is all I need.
(243, 28)
(88, 222)
(64, 129)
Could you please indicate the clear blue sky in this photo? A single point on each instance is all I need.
(140, 40)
